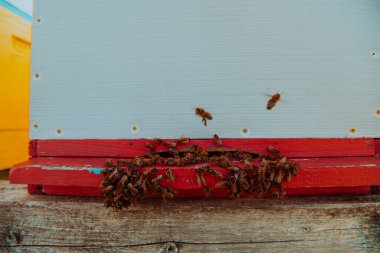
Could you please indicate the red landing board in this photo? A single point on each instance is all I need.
(82, 176)
(314, 147)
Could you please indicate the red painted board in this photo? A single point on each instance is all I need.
(94, 191)
(314, 147)
(377, 146)
(85, 172)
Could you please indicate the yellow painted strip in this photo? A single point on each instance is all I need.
(15, 34)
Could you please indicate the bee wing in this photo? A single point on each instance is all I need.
(268, 95)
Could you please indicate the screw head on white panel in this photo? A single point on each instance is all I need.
(373, 54)
(134, 128)
(36, 75)
(58, 132)
(244, 131)
(377, 112)
(352, 131)
(35, 126)
(38, 20)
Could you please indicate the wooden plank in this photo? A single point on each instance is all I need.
(94, 191)
(315, 172)
(377, 146)
(322, 147)
(72, 224)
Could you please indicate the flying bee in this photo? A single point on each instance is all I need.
(183, 139)
(217, 140)
(132, 189)
(150, 146)
(170, 174)
(157, 179)
(273, 100)
(205, 115)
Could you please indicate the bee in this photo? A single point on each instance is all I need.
(215, 173)
(171, 161)
(187, 159)
(149, 171)
(243, 180)
(222, 184)
(200, 179)
(214, 160)
(273, 100)
(157, 159)
(248, 165)
(207, 190)
(123, 182)
(233, 169)
(224, 162)
(173, 151)
(183, 139)
(233, 187)
(170, 174)
(172, 145)
(132, 189)
(205, 115)
(295, 168)
(114, 176)
(157, 140)
(217, 140)
(167, 193)
(261, 173)
(157, 179)
(139, 162)
(273, 149)
(108, 189)
(142, 182)
(150, 146)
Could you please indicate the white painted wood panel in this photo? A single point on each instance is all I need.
(106, 65)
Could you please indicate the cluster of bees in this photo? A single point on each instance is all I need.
(240, 172)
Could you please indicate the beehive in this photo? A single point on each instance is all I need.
(121, 71)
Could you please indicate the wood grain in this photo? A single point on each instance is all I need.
(77, 224)
(300, 147)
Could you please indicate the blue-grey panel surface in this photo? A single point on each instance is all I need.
(101, 67)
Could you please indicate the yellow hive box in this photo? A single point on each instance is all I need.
(15, 34)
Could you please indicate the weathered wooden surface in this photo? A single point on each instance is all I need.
(77, 224)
